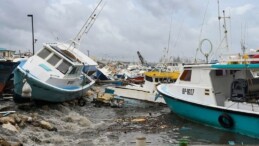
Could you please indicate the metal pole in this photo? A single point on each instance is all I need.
(30, 15)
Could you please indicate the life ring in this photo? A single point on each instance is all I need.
(226, 121)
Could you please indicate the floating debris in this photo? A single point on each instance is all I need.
(5, 113)
(231, 142)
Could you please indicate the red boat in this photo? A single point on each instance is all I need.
(6, 69)
(136, 80)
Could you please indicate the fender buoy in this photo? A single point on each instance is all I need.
(226, 121)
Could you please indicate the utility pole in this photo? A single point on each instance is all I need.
(30, 15)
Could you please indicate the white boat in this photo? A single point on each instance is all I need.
(147, 90)
(223, 95)
(55, 72)
(104, 73)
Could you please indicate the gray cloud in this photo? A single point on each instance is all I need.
(125, 27)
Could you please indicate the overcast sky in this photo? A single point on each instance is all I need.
(127, 26)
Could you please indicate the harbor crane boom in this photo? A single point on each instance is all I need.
(142, 60)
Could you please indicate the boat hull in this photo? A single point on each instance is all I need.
(243, 123)
(89, 69)
(137, 94)
(44, 92)
(6, 69)
(101, 76)
(136, 80)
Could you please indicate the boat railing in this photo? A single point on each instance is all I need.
(240, 59)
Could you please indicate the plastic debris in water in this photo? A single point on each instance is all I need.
(185, 128)
(183, 142)
(231, 142)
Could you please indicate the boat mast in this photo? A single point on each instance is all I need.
(169, 39)
(224, 26)
(219, 22)
(243, 37)
(225, 29)
(86, 27)
(198, 48)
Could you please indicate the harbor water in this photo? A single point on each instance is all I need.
(99, 125)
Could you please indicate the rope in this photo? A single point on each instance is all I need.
(195, 59)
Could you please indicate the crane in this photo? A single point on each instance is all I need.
(142, 60)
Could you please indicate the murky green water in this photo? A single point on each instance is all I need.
(90, 125)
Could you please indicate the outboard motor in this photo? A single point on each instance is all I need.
(239, 90)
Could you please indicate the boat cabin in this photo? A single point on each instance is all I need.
(216, 83)
(6, 54)
(161, 77)
(60, 59)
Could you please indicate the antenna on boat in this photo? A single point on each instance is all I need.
(204, 16)
(224, 26)
(225, 29)
(225, 38)
(206, 54)
(169, 36)
(219, 22)
(87, 25)
(243, 47)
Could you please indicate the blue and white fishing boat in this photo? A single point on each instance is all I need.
(223, 95)
(54, 75)
(55, 72)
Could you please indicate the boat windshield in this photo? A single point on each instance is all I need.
(75, 70)
(186, 75)
(150, 79)
(54, 59)
(64, 66)
(44, 53)
(65, 53)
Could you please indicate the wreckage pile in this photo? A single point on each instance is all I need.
(13, 123)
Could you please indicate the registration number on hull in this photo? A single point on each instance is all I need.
(187, 91)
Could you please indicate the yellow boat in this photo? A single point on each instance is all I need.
(157, 76)
(147, 90)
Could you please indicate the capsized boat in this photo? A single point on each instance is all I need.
(55, 72)
(54, 75)
(104, 73)
(223, 95)
(147, 90)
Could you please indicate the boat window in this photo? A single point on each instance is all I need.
(63, 67)
(74, 70)
(44, 53)
(186, 75)
(165, 80)
(150, 79)
(65, 53)
(221, 72)
(156, 79)
(54, 59)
